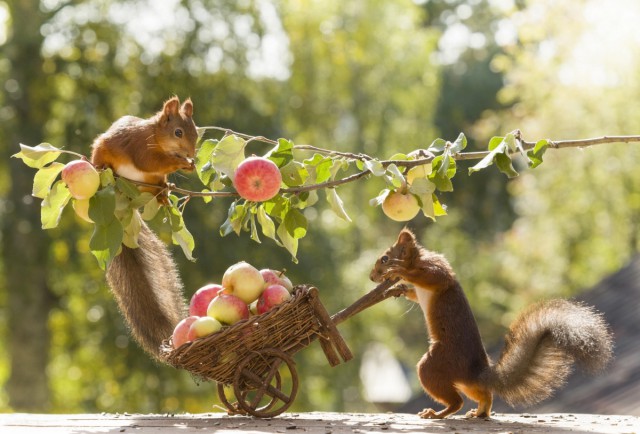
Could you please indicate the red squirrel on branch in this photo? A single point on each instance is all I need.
(145, 281)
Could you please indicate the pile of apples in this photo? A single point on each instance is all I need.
(244, 291)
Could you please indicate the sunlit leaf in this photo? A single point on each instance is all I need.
(376, 201)
(254, 228)
(44, 178)
(53, 205)
(268, 227)
(288, 241)
(294, 174)
(375, 167)
(185, 240)
(438, 145)
(228, 154)
(319, 168)
(336, 204)
(282, 154)
(459, 144)
(535, 154)
(37, 156)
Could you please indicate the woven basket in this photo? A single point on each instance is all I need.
(288, 327)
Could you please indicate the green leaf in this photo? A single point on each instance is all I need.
(459, 144)
(132, 231)
(53, 205)
(151, 209)
(204, 168)
(268, 227)
(319, 168)
(228, 154)
(495, 142)
(375, 167)
(336, 204)
(499, 148)
(535, 154)
(142, 200)
(277, 207)
(234, 220)
(438, 145)
(399, 157)
(38, 156)
(288, 241)
(439, 209)
(106, 178)
(254, 228)
(44, 178)
(127, 188)
(443, 170)
(397, 178)
(102, 206)
(422, 186)
(282, 154)
(294, 174)
(185, 240)
(426, 205)
(376, 201)
(296, 223)
(106, 241)
(505, 165)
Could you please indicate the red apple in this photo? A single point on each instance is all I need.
(228, 309)
(272, 296)
(276, 277)
(244, 281)
(203, 326)
(257, 179)
(181, 330)
(81, 178)
(202, 297)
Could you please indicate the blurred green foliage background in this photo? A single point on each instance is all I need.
(372, 76)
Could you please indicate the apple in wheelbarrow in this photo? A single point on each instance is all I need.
(276, 277)
(228, 309)
(202, 297)
(272, 296)
(181, 331)
(244, 281)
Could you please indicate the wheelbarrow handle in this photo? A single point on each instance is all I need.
(376, 295)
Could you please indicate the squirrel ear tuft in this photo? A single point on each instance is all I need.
(406, 236)
(171, 107)
(187, 108)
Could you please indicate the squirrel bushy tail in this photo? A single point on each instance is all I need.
(148, 289)
(542, 345)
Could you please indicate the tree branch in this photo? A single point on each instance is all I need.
(461, 156)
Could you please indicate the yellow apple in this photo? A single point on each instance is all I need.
(400, 207)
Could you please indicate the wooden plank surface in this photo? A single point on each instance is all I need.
(311, 423)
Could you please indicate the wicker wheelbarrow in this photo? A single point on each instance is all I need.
(253, 358)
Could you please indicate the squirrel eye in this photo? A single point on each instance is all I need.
(178, 133)
(384, 259)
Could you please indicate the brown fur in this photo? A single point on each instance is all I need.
(148, 290)
(150, 145)
(540, 349)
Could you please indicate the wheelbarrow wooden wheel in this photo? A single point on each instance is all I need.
(271, 392)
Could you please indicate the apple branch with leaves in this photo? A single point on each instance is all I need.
(412, 184)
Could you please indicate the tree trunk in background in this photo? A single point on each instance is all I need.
(25, 245)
